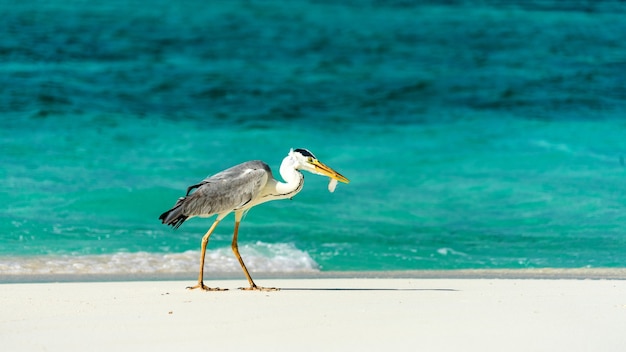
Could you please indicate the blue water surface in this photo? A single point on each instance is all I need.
(475, 134)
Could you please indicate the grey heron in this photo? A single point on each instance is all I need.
(238, 189)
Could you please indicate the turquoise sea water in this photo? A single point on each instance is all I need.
(475, 134)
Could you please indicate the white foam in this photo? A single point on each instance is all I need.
(259, 257)
(449, 251)
(564, 148)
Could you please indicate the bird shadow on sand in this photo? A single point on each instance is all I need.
(366, 289)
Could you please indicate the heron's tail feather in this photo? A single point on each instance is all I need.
(174, 217)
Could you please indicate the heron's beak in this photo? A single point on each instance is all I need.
(323, 169)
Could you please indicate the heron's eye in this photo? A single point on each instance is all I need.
(309, 159)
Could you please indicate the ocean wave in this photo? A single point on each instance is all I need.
(259, 257)
(577, 152)
(449, 251)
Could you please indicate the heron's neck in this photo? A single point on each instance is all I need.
(294, 180)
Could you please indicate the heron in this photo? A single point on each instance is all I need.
(239, 188)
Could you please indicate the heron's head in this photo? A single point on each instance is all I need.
(305, 160)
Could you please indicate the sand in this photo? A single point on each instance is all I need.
(318, 314)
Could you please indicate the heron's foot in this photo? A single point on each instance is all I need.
(206, 288)
(259, 288)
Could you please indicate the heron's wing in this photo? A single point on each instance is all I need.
(194, 187)
(228, 190)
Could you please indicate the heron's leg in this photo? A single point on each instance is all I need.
(235, 247)
(205, 241)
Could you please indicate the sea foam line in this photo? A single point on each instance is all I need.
(260, 257)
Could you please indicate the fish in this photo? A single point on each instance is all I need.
(332, 185)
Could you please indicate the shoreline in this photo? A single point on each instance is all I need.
(522, 274)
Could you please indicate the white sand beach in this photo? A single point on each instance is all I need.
(317, 314)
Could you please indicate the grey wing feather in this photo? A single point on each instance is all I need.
(228, 190)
